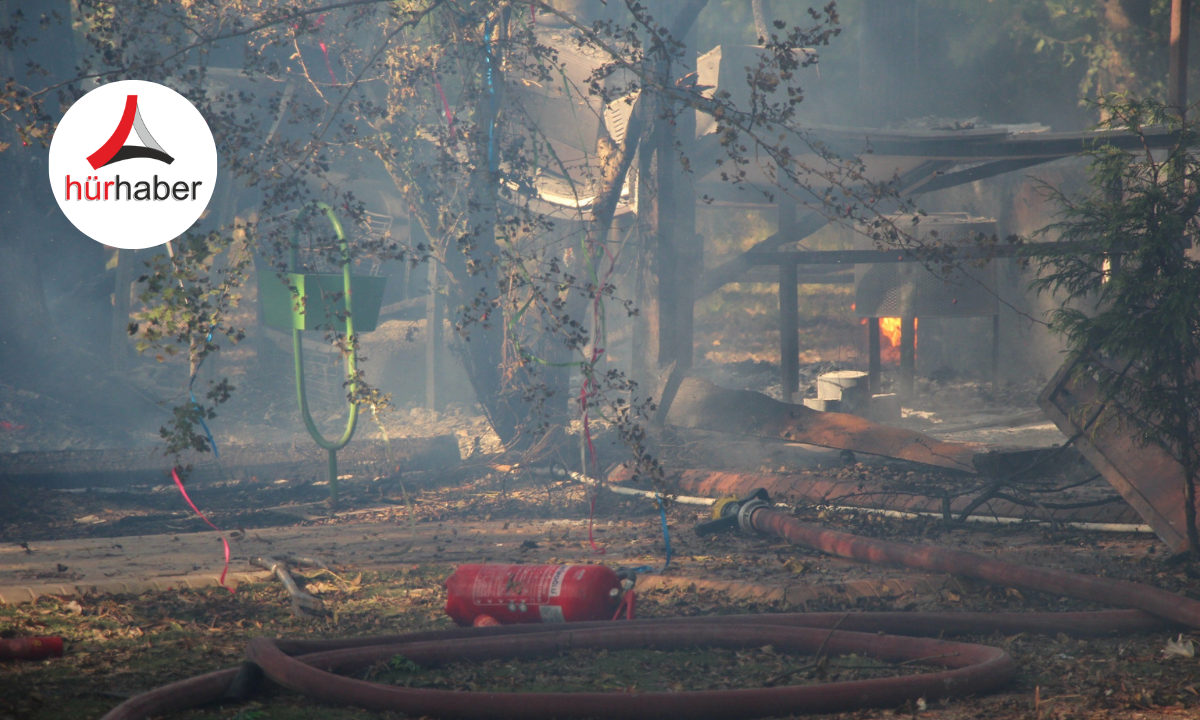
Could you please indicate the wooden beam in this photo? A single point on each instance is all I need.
(852, 257)
(874, 361)
(811, 222)
(981, 172)
(1181, 11)
(950, 146)
(789, 332)
(812, 275)
(908, 355)
(789, 311)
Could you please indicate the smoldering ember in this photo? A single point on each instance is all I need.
(624, 359)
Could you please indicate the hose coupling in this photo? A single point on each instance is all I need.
(746, 511)
(731, 513)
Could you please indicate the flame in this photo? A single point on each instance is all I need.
(889, 329)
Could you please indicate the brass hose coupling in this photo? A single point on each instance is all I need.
(731, 513)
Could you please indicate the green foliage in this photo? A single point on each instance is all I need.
(189, 295)
(444, 100)
(399, 663)
(460, 106)
(1131, 286)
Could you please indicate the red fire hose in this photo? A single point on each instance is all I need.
(965, 669)
(1152, 600)
(31, 648)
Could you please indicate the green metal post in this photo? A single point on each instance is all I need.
(332, 446)
(333, 476)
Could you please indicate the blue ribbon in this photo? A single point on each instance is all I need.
(493, 161)
(662, 515)
(212, 443)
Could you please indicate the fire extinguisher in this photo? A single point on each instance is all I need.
(509, 594)
(31, 648)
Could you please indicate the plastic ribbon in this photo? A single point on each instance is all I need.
(324, 50)
(662, 514)
(628, 604)
(192, 381)
(445, 106)
(328, 66)
(490, 60)
(182, 491)
(591, 518)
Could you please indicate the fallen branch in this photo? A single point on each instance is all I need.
(301, 561)
(302, 603)
(994, 488)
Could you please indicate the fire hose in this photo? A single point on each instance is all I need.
(310, 666)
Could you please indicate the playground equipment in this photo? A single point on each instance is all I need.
(338, 302)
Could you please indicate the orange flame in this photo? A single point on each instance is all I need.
(889, 329)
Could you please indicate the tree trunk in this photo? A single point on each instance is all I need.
(472, 281)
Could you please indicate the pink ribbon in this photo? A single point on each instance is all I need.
(446, 107)
(179, 484)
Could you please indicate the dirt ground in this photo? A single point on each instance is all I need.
(394, 540)
(390, 564)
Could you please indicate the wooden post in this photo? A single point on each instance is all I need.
(433, 338)
(1178, 61)
(789, 332)
(874, 351)
(789, 312)
(908, 355)
(119, 339)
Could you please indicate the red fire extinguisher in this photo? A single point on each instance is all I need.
(508, 594)
(31, 648)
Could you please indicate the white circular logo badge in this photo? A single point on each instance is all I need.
(133, 164)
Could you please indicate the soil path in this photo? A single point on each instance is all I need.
(383, 539)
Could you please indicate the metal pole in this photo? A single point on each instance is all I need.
(333, 476)
(332, 446)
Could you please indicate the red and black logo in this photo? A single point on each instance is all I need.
(115, 150)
